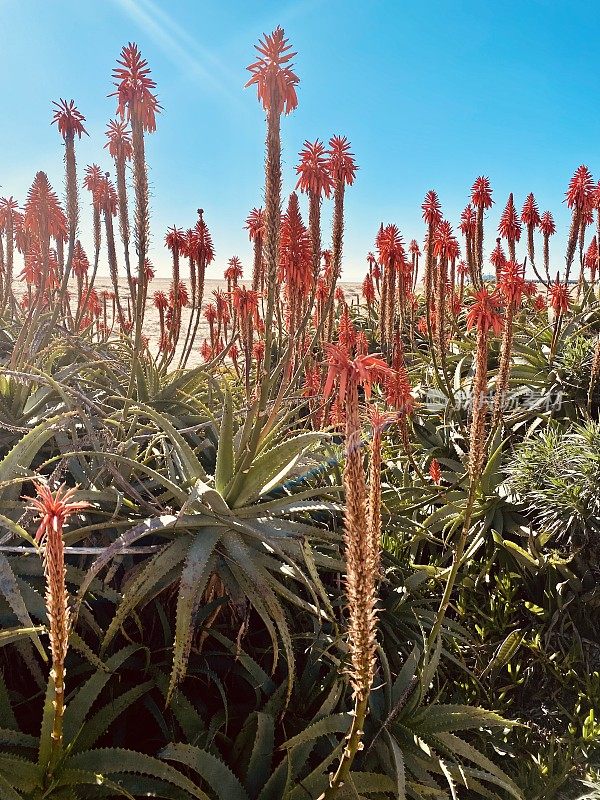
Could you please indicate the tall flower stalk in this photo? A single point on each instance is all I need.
(255, 225)
(69, 122)
(548, 229)
(137, 103)
(8, 210)
(509, 227)
(579, 197)
(481, 197)
(483, 315)
(276, 83)
(511, 286)
(120, 148)
(359, 544)
(54, 509)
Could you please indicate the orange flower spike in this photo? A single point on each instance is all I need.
(54, 509)
(272, 74)
(341, 164)
(363, 370)
(119, 140)
(68, 119)
(435, 473)
(484, 313)
(135, 88)
(314, 176)
(559, 297)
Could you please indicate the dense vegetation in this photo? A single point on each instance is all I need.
(354, 554)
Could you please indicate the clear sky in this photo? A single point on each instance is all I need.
(431, 94)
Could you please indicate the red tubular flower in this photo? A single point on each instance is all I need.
(547, 226)
(368, 289)
(559, 297)
(314, 177)
(160, 300)
(512, 282)
(295, 252)
(175, 239)
(432, 210)
(134, 88)
(206, 351)
(54, 510)
(530, 214)
(435, 473)
(363, 370)
(413, 248)
(540, 303)
(81, 263)
(398, 391)
(273, 75)
(210, 313)
(468, 221)
(68, 119)
(497, 257)
(481, 197)
(255, 224)
(44, 216)
(481, 193)
(93, 177)
(510, 227)
(312, 382)
(444, 243)
(233, 271)
(245, 302)
(483, 313)
(581, 189)
(591, 257)
(340, 163)
(390, 245)
(119, 140)
(531, 217)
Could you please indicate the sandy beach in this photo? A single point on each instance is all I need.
(152, 321)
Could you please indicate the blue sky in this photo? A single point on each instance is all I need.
(430, 95)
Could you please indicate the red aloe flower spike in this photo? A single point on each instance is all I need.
(468, 227)
(255, 225)
(134, 94)
(580, 196)
(548, 229)
(509, 227)
(272, 74)
(512, 286)
(313, 172)
(119, 140)
(435, 473)
(54, 509)
(559, 297)
(68, 119)
(481, 197)
(591, 259)
(342, 169)
(276, 87)
(391, 252)
(530, 216)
